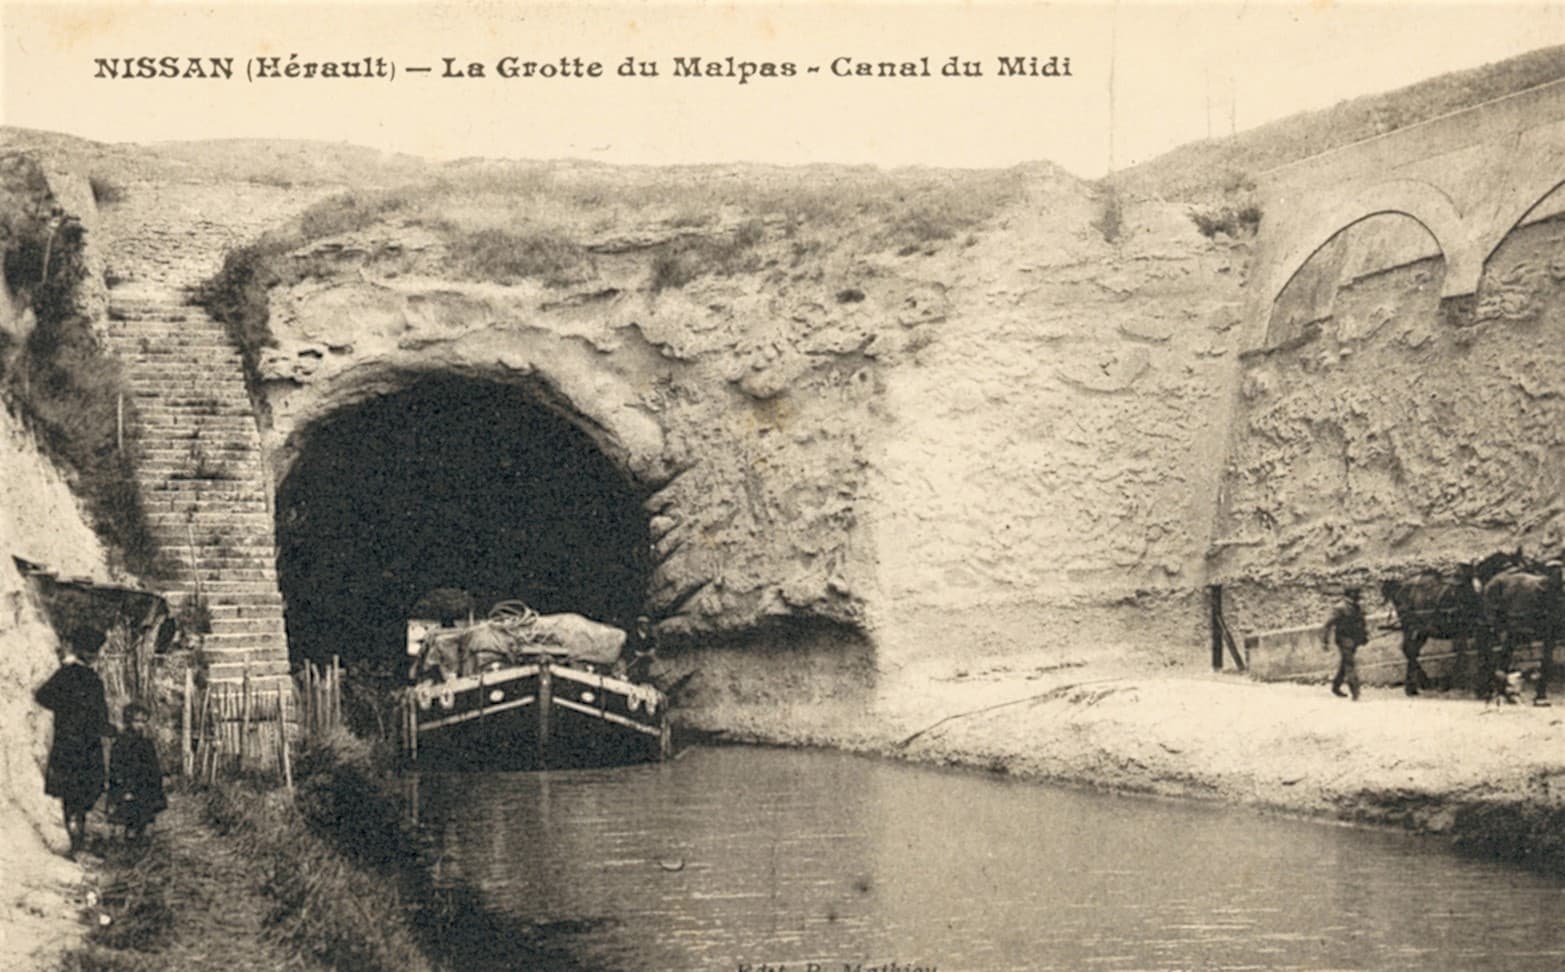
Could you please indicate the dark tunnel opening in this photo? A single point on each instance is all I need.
(451, 483)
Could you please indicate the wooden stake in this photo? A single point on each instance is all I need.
(244, 725)
(186, 754)
(336, 693)
(282, 736)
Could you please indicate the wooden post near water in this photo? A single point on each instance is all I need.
(1214, 594)
(1221, 636)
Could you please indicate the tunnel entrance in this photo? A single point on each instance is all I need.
(451, 483)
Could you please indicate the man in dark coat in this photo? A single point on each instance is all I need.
(74, 694)
(1347, 624)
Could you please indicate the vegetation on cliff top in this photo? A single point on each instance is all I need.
(1193, 172)
(510, 222)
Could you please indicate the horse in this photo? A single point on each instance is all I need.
(1430, 605)
(1524, 603)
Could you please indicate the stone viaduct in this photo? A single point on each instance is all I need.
(1469, 178)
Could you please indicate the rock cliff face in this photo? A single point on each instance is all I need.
(40, 519)
(1046, 474)
(952, 449)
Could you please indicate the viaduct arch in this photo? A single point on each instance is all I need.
(1469, 177)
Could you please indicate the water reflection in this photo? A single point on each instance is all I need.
(730, 857)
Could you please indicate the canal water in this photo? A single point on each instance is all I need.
(736, 857)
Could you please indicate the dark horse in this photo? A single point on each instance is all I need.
(1431, 605)
(1523, 603)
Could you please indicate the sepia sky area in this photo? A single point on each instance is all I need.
(1177, 72)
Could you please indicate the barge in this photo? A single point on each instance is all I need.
(520, 690)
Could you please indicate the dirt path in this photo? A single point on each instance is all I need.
(191, 899)
(42, 895)
(1440, 764)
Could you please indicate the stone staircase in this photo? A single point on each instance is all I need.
(203, 482)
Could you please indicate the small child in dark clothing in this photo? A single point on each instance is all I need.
(135, 778)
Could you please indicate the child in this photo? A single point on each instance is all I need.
(135, 778)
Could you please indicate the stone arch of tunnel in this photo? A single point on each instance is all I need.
(451, 483)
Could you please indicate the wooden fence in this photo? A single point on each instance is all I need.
(251, 726)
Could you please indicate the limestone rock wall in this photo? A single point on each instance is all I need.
(40, 520)
(1015, 434)
(743, 404)
(1399, 436)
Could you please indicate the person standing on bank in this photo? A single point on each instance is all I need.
(74, 693)
(1347, 624)
(135, 777)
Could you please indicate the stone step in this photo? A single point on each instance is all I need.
(171, 472)
(213, 564)
(152, 414)
(174, 400)
(169, 352)
(146, 339)
(169, 436)
(198, 488)
(221, 568)
(194, 491)
(191, 429)
(197, 423)
(182, 506)
(132, 330)
(256, 600)
(211, 445)
(255, 648)
(180, 363)
(179, 518)
(214, 517)
(193, 416)
(165, 492)
(123, 310)
(265, 573)
(228, 592)
(239, 625)
(247, 612)
(214, 371)
(172, 353)
(195, 451)
(229, 545)
(233, 467)
(133, 336)
(249, 511)
(152, 298)
(261, 673)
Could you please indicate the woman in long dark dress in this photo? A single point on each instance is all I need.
(74, 773)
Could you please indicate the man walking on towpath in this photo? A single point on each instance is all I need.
(1347, 623)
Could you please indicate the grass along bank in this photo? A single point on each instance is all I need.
(240, 875)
